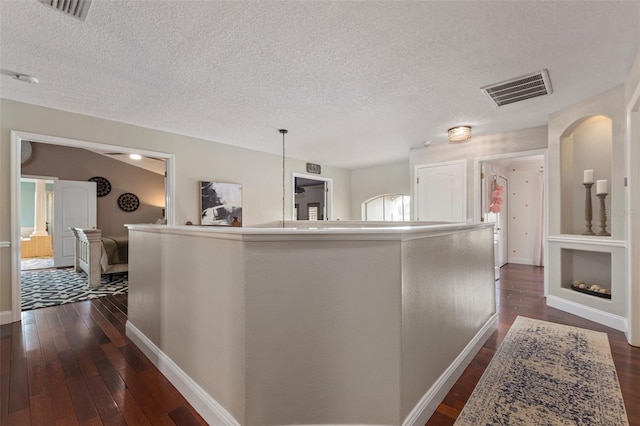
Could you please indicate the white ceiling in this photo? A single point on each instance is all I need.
(356, 83)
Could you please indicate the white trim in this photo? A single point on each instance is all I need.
(16, 141)
(16, 166)
(415, 199)
(428, 404)
(328, 180)
(595, 315)
(589, 241)
(313, 234)
(210, 409)
(6, 317)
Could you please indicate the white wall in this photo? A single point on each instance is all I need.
(195, 159)
(368, 182)
(479, 146)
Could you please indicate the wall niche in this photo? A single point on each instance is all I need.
(589, 266)
(585, 145)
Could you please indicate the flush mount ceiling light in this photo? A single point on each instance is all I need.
(135, 156)
(25, 78)
(459, 133)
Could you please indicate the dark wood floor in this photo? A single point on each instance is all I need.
(520, 292)
(73, 365)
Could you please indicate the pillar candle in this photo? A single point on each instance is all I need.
(601, 187)
(588, 176)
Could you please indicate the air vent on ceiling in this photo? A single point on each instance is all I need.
(76, 8)
(519, 89)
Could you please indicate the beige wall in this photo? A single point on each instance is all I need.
(195, 159)
(562, 123)
(480, 146)
(69, 163)
(587, 147)
(371, 181)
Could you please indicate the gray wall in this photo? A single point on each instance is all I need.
(371, 181)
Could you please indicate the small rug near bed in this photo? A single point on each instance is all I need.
(548, 374)
(59, 286)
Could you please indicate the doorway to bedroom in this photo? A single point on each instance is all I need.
(125, 191)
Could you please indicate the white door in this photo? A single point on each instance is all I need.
(503, 223)
(74, 205)
(490, 178)
(441, 192)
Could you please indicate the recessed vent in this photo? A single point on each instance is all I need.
(519, 89)
(76, 8)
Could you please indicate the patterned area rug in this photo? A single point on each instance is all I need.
(59, 286)
(548, 374)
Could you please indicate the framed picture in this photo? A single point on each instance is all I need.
(220, 203)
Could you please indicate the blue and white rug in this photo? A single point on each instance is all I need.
(59, 286)
(548, 374)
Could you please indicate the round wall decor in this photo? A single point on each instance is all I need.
(128, 202)
(103, 185)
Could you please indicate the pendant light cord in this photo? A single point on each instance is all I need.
(283, 131)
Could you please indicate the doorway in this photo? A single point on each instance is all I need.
(36, 222)
(17, 153)
(311, 197)
(511, 193)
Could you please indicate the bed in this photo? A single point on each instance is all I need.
(97, 255)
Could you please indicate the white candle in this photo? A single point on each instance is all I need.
(588, 176)
(601, 187)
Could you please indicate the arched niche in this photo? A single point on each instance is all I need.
(585, 145)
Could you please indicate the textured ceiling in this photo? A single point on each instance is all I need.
(355, 83)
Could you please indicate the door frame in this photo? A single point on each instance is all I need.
(416, 194)
(16, 168)
(477, 211)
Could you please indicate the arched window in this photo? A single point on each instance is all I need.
(387, 207)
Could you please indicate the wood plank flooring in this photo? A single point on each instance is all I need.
(73, 364)
(520, 292)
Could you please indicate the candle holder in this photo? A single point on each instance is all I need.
(588, 209)
(603, 217)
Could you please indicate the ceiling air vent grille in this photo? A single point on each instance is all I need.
(519, 89)
(76, 8)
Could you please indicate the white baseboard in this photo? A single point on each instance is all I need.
(587, 312)
(6, 317)
(428, 404)
(210, 410)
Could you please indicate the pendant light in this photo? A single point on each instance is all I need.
(284, 132)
